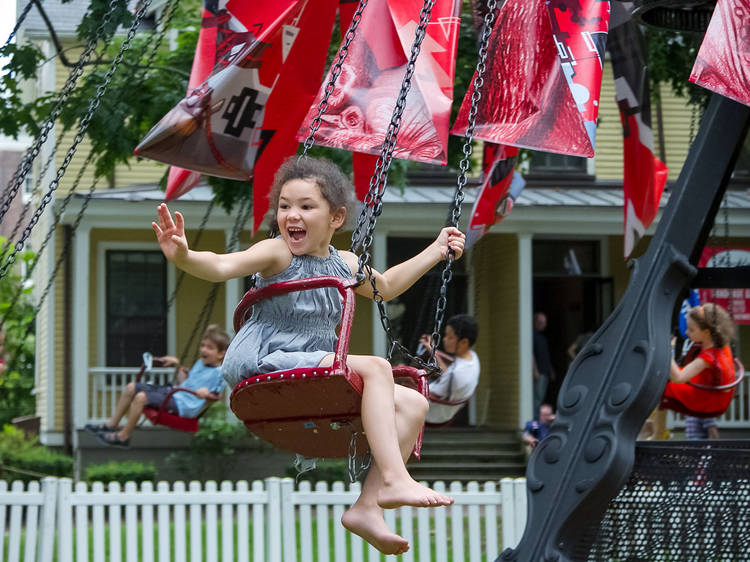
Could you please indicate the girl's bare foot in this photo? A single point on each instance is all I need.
(409, 492)
(369, 524)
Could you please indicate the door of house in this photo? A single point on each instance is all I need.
(573, 306)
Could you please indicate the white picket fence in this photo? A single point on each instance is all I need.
(268, 521)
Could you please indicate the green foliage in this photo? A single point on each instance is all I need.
(22, 62)
(17, 378)
(670, 58)
(121, 471)
(326, 470)
(213, 449)
(14, 440)
(97, 10)
(24, 459)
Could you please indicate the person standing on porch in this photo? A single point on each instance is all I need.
(543, 370)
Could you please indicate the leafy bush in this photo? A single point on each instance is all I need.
(22, 458)
(121, 471)
(17, 313)
(212, 453)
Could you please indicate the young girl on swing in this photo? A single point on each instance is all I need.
(309, 201)
(710, 327)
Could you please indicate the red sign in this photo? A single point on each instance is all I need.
(735, 301)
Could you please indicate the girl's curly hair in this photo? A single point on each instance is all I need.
(335, 187)
(716, 320)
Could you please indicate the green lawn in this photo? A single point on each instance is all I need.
(415, 547)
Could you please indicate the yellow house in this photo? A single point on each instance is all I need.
(111, 303)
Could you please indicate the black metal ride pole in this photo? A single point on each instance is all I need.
(618, 378)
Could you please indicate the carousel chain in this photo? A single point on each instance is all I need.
(31, 154)
(335, 72)
(92, 108)
(373, 200)
(458, 195)
(169, 12)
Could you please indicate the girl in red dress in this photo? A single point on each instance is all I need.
(710, 327)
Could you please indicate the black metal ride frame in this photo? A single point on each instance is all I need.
(618, 378)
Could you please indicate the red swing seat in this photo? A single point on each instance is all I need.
(161, 415)
(313, 411)
(676, 406)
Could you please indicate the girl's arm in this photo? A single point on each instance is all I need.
(266, 256)
(684, 374)
(398, 278)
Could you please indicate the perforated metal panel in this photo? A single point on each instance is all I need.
(684, 501)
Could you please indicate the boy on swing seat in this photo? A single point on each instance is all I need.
(204, 378)
(460, 368)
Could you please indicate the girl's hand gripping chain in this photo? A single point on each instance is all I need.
(453, 239)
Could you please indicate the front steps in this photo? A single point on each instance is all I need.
(467, 453)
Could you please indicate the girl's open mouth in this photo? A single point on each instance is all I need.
(296, 234)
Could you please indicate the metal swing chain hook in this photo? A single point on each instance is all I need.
(458, 196)
(335, 72)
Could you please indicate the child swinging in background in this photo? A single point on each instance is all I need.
(710, 327)
(309, 201)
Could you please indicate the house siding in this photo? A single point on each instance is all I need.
(608, 158)
(496, 302)
(676, 118)
(140, 171)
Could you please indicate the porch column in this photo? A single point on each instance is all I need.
(80, 339)
(525, 328)
(379, 261)
(232, 292)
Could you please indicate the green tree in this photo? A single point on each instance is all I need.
(147, 85)
(17, 380)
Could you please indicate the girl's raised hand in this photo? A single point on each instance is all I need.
(171, 233)
(451, 238)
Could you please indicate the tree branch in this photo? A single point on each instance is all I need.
(53, 34)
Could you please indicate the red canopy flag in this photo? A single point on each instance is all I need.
(644, 174)
(543, 76)
(365, 94)
(240, 121)
(723, 62)
(500, 187)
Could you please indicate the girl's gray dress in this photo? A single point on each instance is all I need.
(289, 331)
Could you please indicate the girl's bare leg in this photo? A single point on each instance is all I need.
(660, 425)
(365, 517)
(379, 423)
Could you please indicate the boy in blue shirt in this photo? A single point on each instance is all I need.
(204, 378)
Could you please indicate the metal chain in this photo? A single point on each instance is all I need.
(458, 196)
(15, 299)
(373, 206)
(60, 260)
(19, 21)
(82, 128)
(356, 464)
(154, 46)
(373, 202)
(33, 151)
(35, 191)
(335, 72)
(208, 306)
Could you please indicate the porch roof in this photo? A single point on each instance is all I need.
(588, 211)
(529, 197)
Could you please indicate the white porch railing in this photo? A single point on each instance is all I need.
(106, 384)
(268, 521)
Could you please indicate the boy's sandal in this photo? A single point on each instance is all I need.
(112, 439)
(99, 427)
